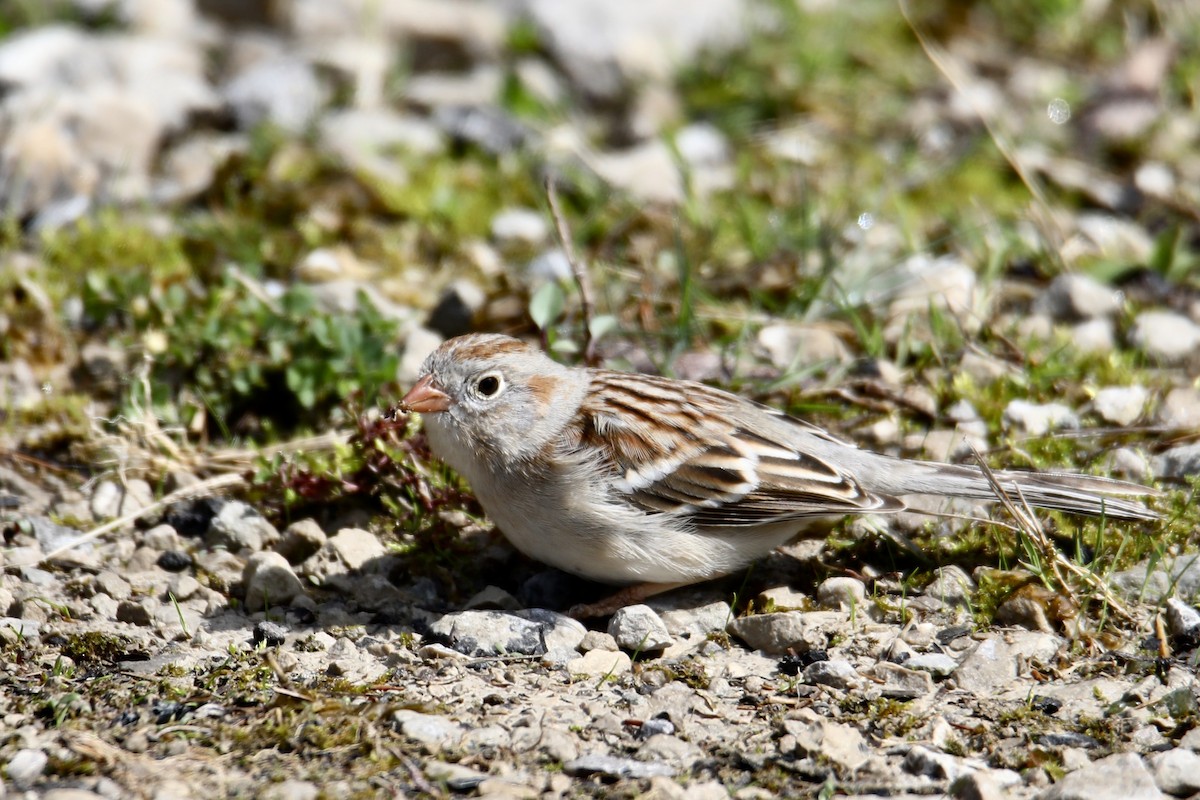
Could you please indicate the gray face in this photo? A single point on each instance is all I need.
(497, 388)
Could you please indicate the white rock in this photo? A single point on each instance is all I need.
(1180, 408)
(605, 44)
(1094, 336)
(792, 345)
(1037, 419)
(638, 629)
(520, 226)
(844, 593)
(26, 766)
(1120, 405)
(1119, 777)
(600, 662)
(1074, 296)
(1166, 336)
(283, 90)
(269, 581)
(1176, 771)
(647, 172)
(835, 672)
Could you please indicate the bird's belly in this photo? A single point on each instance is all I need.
(617, 543)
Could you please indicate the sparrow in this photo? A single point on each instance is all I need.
(655, 483)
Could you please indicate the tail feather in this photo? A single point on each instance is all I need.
(1059, 491)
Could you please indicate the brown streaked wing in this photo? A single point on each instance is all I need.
(747, 479)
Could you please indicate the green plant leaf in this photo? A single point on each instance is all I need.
(546, 305)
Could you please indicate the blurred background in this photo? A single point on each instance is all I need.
(264, 208)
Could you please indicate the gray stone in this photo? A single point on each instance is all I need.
(353, 549)
(238, 527)
(694, 621)
(937, 664)
(1094, 336)
(536, 632)
(189, 167)
(798, 631)
(269, 581)
(1182, 619)
(941, 766)
(1120, 405)
(616, 768)
(844, 593)
(596, 663)
(637, 629)
(493, 597)
(301, 540)
(282, 90)
(598, 640)
(51, 536)
(291, 790)
(360, 136)
(1166, 336)
(792, 345)
(836, 673)
(551, 265)
(138, 612)
(818, 737)
(664, 748)
(1180, 576)
(111, 500)
(901, 682)
(993, 663)
(1072, 296)
(606, 45)
(26, 766)
(923, 282)
(952, 586)
(976, 786)
(1176, 771)
(647, 172)
(523, 226)
(1119, 777)
(113, 585)
(432, 731)
(1178, 462)
(1037, 419)
(476, 88)
(1180, 408)
(418, 344)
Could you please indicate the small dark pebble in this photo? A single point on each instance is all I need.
(948, 635)
(128, 718)
(794, 664)
(271, 633)
(191, 517)
(167, 711)
(174, 561)
(1186, 642)
(1046, 705)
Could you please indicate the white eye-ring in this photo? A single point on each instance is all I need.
(489, 384)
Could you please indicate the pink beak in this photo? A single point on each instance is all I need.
(425, 398)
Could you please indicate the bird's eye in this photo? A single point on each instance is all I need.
(488, 385)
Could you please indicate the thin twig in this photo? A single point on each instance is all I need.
(582, 279)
